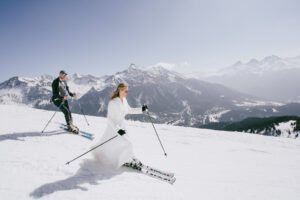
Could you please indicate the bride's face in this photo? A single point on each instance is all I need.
(124, 92)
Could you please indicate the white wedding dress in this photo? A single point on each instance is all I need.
(119, 150)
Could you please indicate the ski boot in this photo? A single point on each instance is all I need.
(72, 128)
(134, 164)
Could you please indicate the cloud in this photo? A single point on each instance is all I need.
(165, 65)
(173, 66)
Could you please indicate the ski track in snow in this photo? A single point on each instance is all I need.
(208, 164)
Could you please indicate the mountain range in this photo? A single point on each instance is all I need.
(272, 78)
(172, 97)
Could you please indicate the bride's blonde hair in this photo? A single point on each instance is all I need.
(116, 93)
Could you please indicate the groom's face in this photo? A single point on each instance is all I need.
(63, 77)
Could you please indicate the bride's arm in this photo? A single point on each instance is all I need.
(134, 110)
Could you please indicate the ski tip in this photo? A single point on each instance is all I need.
(173, 181)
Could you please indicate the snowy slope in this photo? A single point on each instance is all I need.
(208, 164)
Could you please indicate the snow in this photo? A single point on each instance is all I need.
(198, 92)
(6, 96)
(258, 103)
(286, 127)
(208, 164)
(216, 116)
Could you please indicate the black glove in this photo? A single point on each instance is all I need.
(144, 108)
(121, 132)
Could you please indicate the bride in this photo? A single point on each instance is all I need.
(118, 151)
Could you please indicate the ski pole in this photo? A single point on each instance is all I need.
(157, 134)
(51, 118)
(49, 122)
(91, 150)
(83, 113)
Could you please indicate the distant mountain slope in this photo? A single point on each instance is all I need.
(286, 126)
(270, 78)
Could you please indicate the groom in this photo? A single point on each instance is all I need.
(61, 91)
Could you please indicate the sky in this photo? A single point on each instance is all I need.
(103, 37)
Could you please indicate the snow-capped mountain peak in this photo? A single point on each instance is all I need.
(12, 82)
(270, 59)
(253, 61)
(159, 67)
(18, 82)
(253, 66)
(270, 72)
(150, 74)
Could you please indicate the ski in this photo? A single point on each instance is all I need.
(83, 132)
(168, 174)
(90, 137)
(152, 169)
(170, 180)
(80, 133)
(155, 174)
(157, 171)
(86, 133)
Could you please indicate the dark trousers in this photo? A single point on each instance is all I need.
(64, 107)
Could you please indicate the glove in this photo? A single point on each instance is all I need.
(121, 132)
(144, 108)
